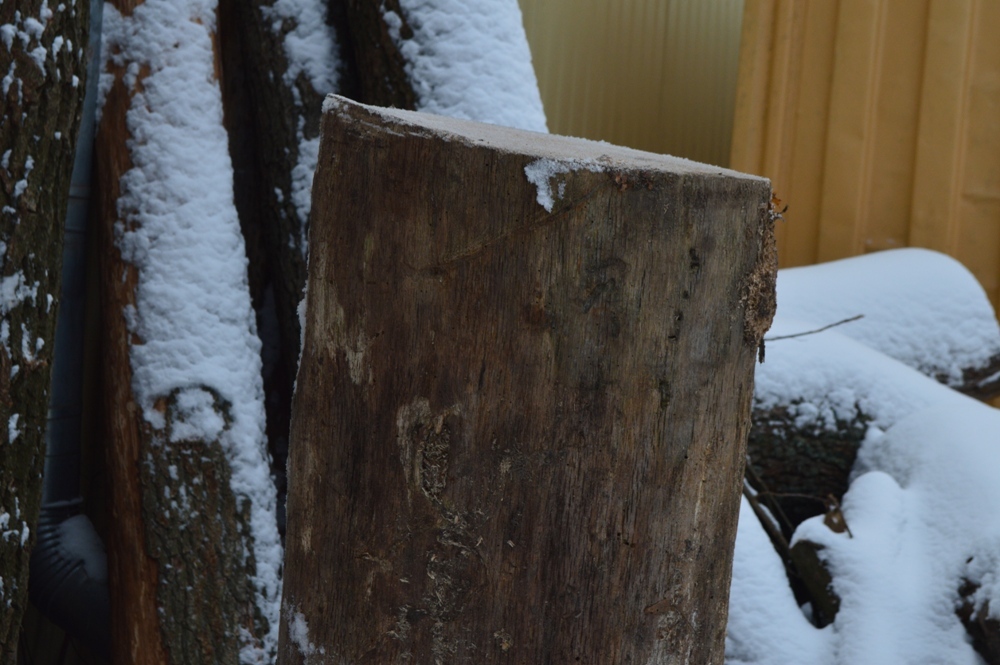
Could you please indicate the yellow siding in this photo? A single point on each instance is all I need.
(658, 75)
(878, 122)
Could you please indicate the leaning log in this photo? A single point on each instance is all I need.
(518, 431)
(193, 544)
(272, 108)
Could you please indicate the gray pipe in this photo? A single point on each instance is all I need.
(68, 579)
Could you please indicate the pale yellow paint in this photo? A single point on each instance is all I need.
(658, 75)
(878, 122)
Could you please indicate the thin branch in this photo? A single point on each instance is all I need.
(813, 332)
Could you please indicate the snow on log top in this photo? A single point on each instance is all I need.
(584, 153)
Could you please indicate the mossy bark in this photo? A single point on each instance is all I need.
(42, 97)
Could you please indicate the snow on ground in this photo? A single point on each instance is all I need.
(179, 228)
(470, 59)
(920, 507)
(766, 626)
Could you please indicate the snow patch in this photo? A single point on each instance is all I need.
(541, 172)
(470, 59)
(920, 307)
(919, 506)
(309, 42)
(298, 633)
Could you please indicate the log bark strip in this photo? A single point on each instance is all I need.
(181, 546)
(519, 434)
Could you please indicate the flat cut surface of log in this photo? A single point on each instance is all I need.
(519, 428)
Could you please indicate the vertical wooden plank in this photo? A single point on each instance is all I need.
(885, 219)
(979, 206)
(884, 134)
(780, 125)
(802, 185)
(940, 145)
(853, 101)
(659, 75)
(752, 88)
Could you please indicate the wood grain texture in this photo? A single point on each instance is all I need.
(518, 435)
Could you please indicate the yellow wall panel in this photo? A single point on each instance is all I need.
(878, 122)
(659, 75)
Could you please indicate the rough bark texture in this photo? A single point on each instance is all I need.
(265, 118)
(518, 435)
(382, 77)
(178, 563)
(796, 468)
(42, 96)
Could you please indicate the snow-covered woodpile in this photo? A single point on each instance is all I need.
(904, 525)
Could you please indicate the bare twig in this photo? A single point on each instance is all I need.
(817, 330)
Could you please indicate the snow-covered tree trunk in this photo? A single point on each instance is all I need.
(194, 554)
(42, 70)
(519, 424)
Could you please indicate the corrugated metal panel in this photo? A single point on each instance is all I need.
(658, 75)
(877, 121)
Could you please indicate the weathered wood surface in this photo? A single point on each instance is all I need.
(518, 434)
(44, 71)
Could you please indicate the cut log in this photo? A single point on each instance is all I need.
(796, 465)
(519, 424)
(43, 61)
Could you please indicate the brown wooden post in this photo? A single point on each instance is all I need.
(519, 428)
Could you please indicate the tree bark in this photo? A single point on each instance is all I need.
(795, 467)
(518, 432)
(269, 116)
(382, 77)
(43, 64)
(181, 543)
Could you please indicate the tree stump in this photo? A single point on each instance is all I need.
(519, 429)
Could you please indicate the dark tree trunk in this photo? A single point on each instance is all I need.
(42, 97)
(268, 117)
(382, 77)
(518, 433)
